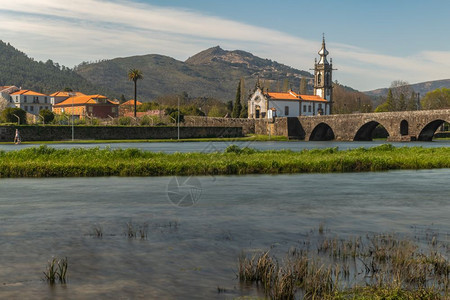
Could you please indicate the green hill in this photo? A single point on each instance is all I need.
(16, 68)
(210, 73)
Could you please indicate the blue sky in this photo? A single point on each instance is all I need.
(372, 43)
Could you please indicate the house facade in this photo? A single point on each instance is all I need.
(30, 101)
(83, 106)
(266, 105)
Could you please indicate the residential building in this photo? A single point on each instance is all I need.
(83, 106)
(60, 96)
(30, 101)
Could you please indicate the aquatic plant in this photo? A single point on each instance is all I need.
(56, 270)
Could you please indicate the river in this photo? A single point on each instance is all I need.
(170, 147)
(193, 243)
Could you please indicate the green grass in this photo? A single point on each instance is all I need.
(254, 137)
(44, 161)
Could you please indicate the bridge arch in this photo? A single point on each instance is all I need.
(427, 133)
(322, 132)
(365, 132)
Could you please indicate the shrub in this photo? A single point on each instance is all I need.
(47, 115)
(8, 115)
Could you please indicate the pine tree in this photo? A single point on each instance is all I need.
(390, 105)
(237, 107)
(285, 85)
(303, 86)
(411, 104)
(401, 102)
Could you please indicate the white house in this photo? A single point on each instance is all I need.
(30, 101)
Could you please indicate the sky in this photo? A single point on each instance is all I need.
(372, 43)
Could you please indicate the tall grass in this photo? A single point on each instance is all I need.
(45, 161)
(382, 267)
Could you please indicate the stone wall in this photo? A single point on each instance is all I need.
(59, 133)
(247, 125)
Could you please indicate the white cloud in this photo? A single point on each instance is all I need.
(71, 32)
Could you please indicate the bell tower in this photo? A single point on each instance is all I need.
(323, 83)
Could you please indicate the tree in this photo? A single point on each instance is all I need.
(47, 115)
(135, 75)
(229, 105)
(8, 115)
(401, 102)
(122, 99)
(303, 86)
(411, 104)
(388, 105)
(3, 103)
(437, 99)
(285, 85)
(237, 107)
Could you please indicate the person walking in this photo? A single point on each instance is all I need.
(17, 139)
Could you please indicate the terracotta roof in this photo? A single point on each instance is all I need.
(131, 102)
(84, 99)
(312, 98)
(291, 95)
(64, 94)
(28, 93)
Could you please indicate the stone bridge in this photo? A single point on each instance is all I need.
(401, 126)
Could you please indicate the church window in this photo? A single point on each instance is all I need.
(319, 78)
(286, 110)
(309, 108)
(304, 108)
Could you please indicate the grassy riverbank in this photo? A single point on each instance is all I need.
(49, 162)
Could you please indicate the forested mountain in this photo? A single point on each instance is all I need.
(211, 73)
(421, 87)
(16, 68)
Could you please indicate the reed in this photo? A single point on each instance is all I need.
(56, 270)
(384, 266)
(44, 161)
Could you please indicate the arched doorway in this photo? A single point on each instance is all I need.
(257, 112)
(404, 127)
(428, 131)
(322, 132)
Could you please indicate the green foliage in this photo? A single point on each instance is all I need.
(146, 106)
(47, 115)
(237, 107)
(125, 121)
(8, 115)
(437, 99)
(50, 162)
(303, 86)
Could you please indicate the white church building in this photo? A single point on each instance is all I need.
(265, 104)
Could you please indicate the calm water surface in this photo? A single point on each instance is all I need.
(190, 251)
(171, 147)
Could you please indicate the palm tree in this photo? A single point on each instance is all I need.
(134, 75)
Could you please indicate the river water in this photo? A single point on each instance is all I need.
(197, 227)
(170, 147)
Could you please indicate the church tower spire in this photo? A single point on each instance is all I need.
(323, 84)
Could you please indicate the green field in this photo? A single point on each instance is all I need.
(44, 161)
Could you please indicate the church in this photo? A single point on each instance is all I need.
(266, 104)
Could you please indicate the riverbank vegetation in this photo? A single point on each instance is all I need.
(381, 266)
(45, 161)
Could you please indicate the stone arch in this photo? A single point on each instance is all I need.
(322, 132)
(404, 127)
(365, 132)
(427, 133)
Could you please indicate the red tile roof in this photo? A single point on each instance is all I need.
(291, 95)
(28, 93)
(131, 102)
(84, 99)
(65, 94)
